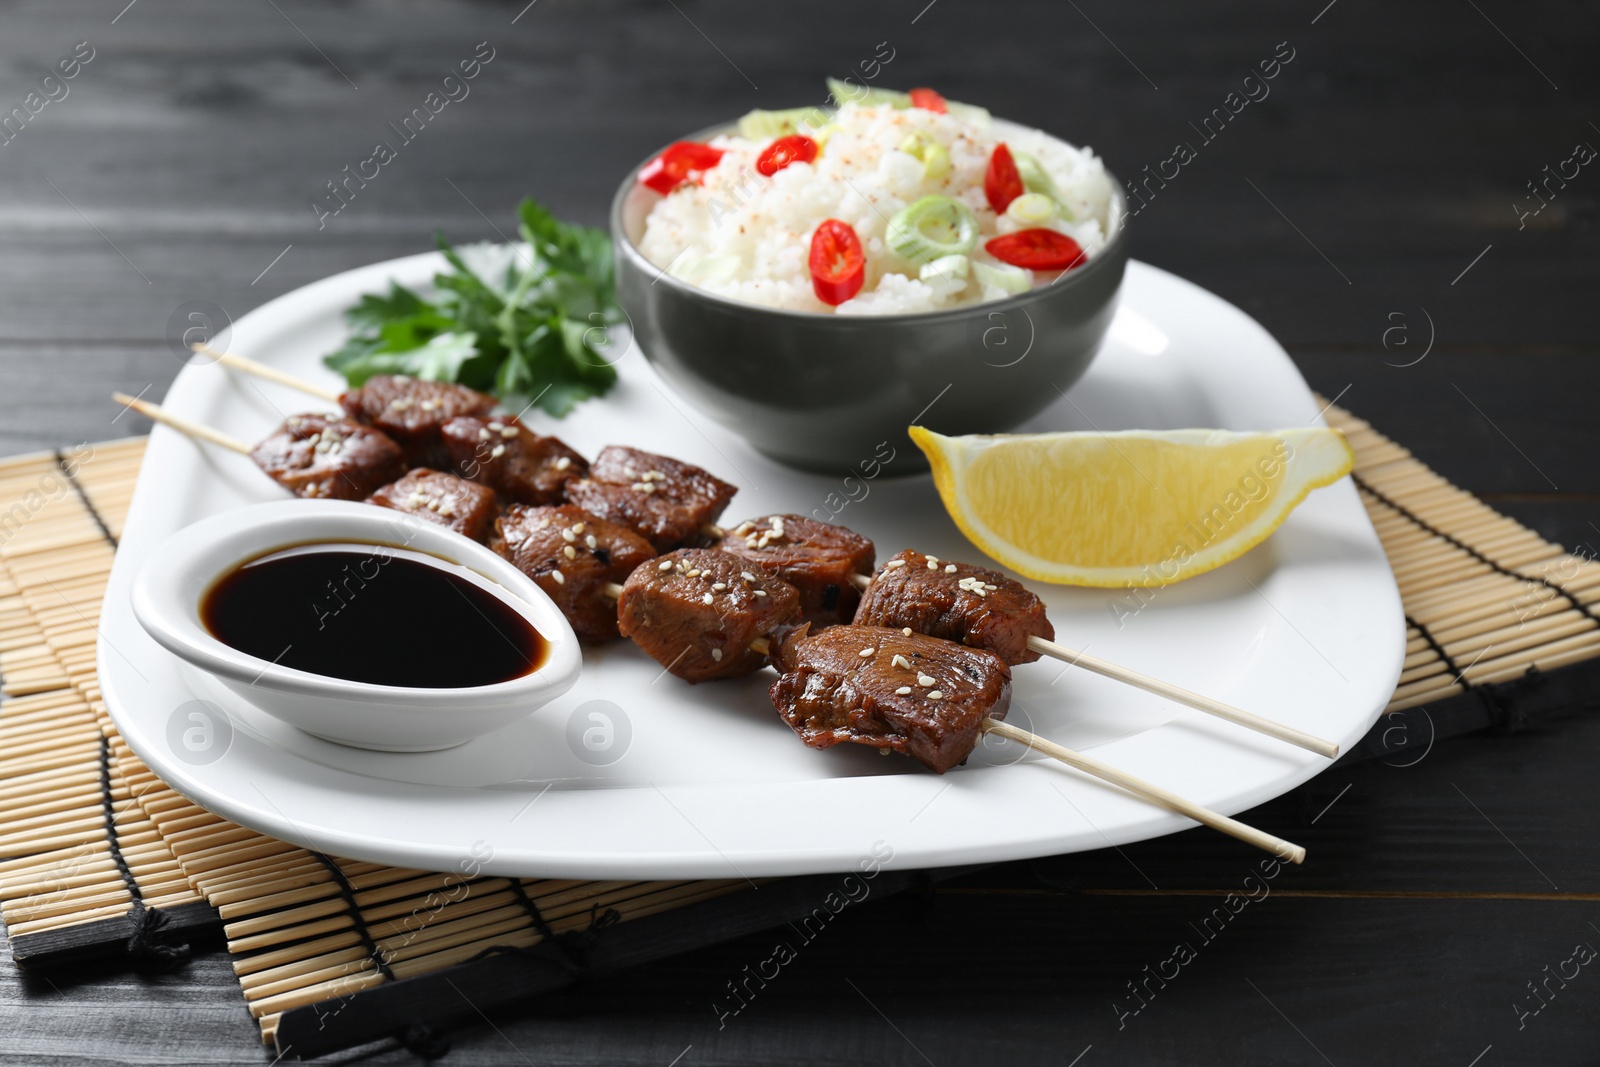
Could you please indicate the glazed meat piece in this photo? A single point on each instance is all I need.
(464, 506)
(573, 557)
(502, 453)
(411, 411)
(668, 502)
(817, 558)
(958, 602)
(696, 611)
(872, 685)
(328, 458)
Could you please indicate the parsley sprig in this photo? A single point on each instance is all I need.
(524, 322)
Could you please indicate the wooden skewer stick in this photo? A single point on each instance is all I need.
(1177, 694)
(156, 413)
(271, 374)
(1146, 791)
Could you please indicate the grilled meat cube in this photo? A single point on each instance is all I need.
(958, 602)
(872, 685)
(817, 558)
(466, 507)
(328, 458)
(411, 411)
(586, 553)
(696, 611)
(667, 501)
(502, 453)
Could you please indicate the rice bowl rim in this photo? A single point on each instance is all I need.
(623, 240)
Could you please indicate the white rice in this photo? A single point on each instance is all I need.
(748, 237)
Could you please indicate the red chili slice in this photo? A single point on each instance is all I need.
(928, 100)
(1039, 249)
(1001, 183)
(838, 266)
(683, 161)
(796, 148)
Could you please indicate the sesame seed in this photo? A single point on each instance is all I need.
(707, 598)
(903, 690)
(590, 541)
(563, 463)
(933, 564)
(868, 651)
(907, 631)
(716, 654)
(900, 661)
(747, 576)
(950, 568)
(497, 451)
(508, 431)
(577, 527)
(570, 552)
(935, 695)
(695, 573)
(719, 586)
(665, 565)
(893, 563)
(932, 559)
(560, 579)
(483, 434)
(924, 680)
(568, 536)
(761, 592)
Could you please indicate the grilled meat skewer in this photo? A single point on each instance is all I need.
(501, 452)
(697, 612)
(413, 412)
(667, 501)
(956, 601)
(817, 558)
(328, 458)
(903, 692)
(574, 557)
(441, 497)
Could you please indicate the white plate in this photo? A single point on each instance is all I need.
(706, 781)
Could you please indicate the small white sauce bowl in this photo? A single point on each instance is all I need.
(170, 587)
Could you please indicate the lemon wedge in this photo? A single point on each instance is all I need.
(1136, 507)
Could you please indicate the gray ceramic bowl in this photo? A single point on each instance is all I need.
(823, 392)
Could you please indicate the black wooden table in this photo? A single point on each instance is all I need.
(1377, 211)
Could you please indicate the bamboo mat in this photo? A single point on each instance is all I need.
(311, 935)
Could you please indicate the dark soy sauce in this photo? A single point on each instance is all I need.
(368, 616)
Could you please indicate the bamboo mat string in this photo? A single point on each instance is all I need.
(1423, 524)
(145, 943)
(348, 892)
(1438, 650)
(83, 496)
(536, 916)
